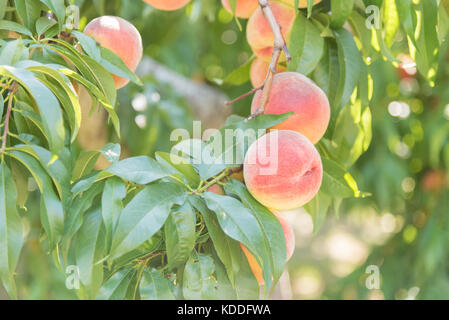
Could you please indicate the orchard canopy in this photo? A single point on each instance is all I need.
(224, 149)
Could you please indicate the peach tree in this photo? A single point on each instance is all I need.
(185, 223)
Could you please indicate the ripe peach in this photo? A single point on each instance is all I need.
(119, 36)
(243, 9)
(258, 31)
(289, 241)
(167, 5)
(292, 91)
(283, 170)
(259, 69)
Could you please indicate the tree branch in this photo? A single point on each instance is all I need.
(279, 46)
(12, 92)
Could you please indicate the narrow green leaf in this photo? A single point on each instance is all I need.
(140, 170)
(341, 10)
(13, 26)
(180, 235)
(11, 232)
(52, 213)
(115, 287)
(46, 102)
(90, 247)
(145, 215)
(29, 11)
(111, 205)
(154, 286)
(198, 281)
(240, 224)
(306, 45)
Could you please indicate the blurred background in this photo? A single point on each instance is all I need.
(402, 228)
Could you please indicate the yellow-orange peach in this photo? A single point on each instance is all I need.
(301, 3)
(119, 36)
(289, 242)
(283, 170)
(167, 5)
(258, 31)
(259, 69)
(243, 8)
(292, 91)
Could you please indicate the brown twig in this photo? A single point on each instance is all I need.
(228, 103)
(279, 46)
(12, 92)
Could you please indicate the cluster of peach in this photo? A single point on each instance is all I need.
(298, 171)
(297, 174)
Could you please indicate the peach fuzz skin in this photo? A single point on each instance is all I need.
(119, 36)
(167, 5)
(289, 241)
(258, 31)
(292, 91)
(283, 170)
(244, 8)
(258, 71)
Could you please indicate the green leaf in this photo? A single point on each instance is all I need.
(145, 215)
(140, 170)
(239, 223)
(334, 183)
(13, 52)
(115, 287)
(427, 39)
(341, 10)
(239, 76)
(71, 105)
(84, 164)
(111, 152)
(13, 26)
(46, 102)
(3, 5)
(180, 235)
(115, 65)
(78, 207)
(391, 21)
(29, 11)
(407, 18)
(318, 208)
(350, 63)
(54, 167)
(198, 281)
(228, 250)
(179, 165)
(154, 286)
(11, 232)
(52, 213)
(89, 248)
(306, 45)
(112, 206)
(43, 24)
(58, 8)
(271, 228)
(89, 45)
